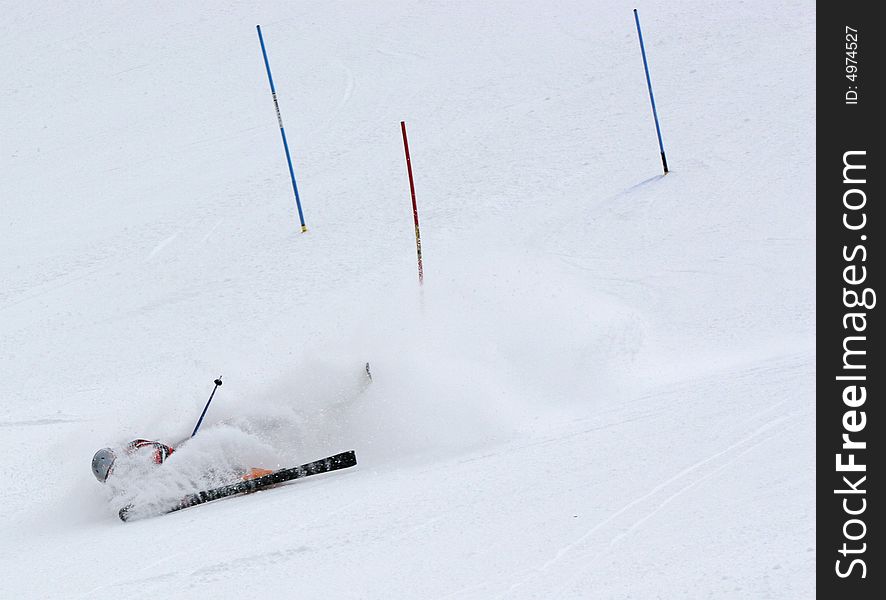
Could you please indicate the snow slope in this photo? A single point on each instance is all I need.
(603, 390)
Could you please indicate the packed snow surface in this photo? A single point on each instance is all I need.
(604, 388)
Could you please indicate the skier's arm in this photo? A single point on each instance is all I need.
(161, 451)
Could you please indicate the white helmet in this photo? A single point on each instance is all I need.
(103, 463)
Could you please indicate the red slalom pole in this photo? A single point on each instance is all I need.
(414, 206)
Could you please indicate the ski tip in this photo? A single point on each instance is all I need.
(368, 372)
(347, 459)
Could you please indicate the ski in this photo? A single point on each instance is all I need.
(342, 460)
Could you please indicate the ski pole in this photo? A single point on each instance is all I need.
(217, 383)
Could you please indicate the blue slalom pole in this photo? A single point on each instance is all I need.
(264, 52)
(664, 160)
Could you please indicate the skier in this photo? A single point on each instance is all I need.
(256, 478)
(103, 460)
(154, 452)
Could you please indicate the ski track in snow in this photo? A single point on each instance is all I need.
(40, 422)
(162, 245)
(211, 231)
(578, 544)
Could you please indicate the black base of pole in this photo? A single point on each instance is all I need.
(664, 162)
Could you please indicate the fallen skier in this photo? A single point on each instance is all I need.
(145, 453)
(104, 460)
